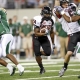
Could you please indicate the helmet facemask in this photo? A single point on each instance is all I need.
(63, 2)
(72, 9)
(46, 12)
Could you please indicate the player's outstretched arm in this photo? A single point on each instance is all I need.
(60, 10)
(71, 19)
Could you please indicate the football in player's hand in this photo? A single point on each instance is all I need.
(59, 9)
(43, 30)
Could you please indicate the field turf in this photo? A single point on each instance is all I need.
(52, 68)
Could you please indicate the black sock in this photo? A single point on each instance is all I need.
(65, 65)
(41, 66)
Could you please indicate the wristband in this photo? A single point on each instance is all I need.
(53, 46)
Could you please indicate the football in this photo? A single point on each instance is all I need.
(43, 30)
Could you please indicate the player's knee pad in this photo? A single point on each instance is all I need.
(4, 55)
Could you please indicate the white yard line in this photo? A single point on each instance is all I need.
(37, 71)
(51, 64)
(28, 65)
(46, 77)
(30, 71)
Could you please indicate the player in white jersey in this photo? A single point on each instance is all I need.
(43, 26)
(51, 36)
(72, 29)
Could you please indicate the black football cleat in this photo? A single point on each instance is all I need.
(42, 70)
(79, 77)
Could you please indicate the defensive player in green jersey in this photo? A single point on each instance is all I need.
(6, 40)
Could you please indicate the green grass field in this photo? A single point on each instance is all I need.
(52, 68)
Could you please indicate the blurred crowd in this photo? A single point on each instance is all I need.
(22, 4)
(22, 32)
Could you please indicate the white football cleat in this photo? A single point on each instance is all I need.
(12, 71)
(62, 71)
(20, 69)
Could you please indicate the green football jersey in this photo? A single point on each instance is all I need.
(26, 28)
(4, 27)
(12, 29)
(16, 28)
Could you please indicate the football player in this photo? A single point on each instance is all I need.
(74, 14)
(6, 40)
(43, 27)
(72, 29)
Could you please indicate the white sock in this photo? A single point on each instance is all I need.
(9, 67)
(20, 67)
(18, 56)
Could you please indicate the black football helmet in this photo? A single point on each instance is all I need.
(63, 1)
(73, 6)
(46, 10)
(72, 9)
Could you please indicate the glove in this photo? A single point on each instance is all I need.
(46, 31)
(56, 12)
(60, 10)
(53, 46)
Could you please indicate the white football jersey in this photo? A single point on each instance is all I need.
(71, 27)
(37, 21)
